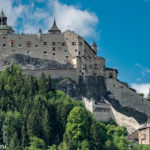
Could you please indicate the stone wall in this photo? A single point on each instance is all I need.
(104, 111)
(127, 97)
(144, 136)
(55, 74)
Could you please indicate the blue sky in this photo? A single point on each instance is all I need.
(121, 29)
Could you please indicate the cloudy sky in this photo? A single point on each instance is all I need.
(121, 29)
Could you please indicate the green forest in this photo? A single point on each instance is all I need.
(36, 116)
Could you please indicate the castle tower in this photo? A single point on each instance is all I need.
(94, 47)
(3, 19)
(54, 28)
(4, 28)
(39, 34)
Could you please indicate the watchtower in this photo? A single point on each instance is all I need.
(4, 28)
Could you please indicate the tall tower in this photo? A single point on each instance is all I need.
(4, 28)
(3, 19)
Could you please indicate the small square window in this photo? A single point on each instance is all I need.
(4, 45)
(54, 54)
(75, 50)
(73, 43)
(80, 43)
(45, 52)
(54, 49)
(67, 56)
(36, 45)
(28, 43)
(19, 45)
(53, 43)
(65, 50)
(63, 43)
(44, 43)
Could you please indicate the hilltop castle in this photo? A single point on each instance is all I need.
(67, 52)
(68, 55)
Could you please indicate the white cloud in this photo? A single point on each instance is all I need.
(12, 12)
(81, 21)
(141, 88)
(32, 17)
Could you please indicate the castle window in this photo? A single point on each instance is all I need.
(28, 43)
(75, 50)
(44, 43)
(80, 43)
(11, 43)
(63, 43)
(36, 45)
(45, 52)
(79, 53)
(65, 50)
(54, 54)
(73, 43)
(110, 75)
(4, 45)
(28, 51)
(19, 45)
(4, 37)
(67, 56)
(54, 49)
(53, 43)
(82, 73)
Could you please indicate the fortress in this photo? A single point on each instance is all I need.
(68, 55)
(65, 51)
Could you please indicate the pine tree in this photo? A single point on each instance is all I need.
(47, 127)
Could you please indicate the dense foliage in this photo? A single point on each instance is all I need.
(35, 116)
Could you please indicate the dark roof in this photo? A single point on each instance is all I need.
(89, 46)
(111, 69)
(94, 44)
(2, 14)
(54, 28)
(144, 127)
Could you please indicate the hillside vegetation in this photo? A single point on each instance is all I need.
(35, 116)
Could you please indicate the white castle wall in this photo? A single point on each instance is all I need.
(105, 112)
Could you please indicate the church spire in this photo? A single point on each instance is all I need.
(2, 14)
(3, 18)
(54, 29)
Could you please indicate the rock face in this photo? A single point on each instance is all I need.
(28, 62)
(127, 101)
(69, 87)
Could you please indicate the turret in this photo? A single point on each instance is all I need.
(4, 28)
(54, 28)
(94, 47)
(39, 34)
